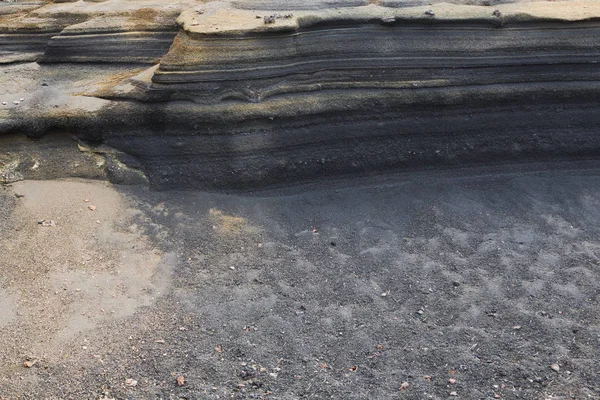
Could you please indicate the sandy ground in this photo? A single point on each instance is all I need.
(428, 287)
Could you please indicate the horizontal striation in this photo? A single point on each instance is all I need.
(256, 67)
(127, 47)
(117, 39)
(312, 137)
(22, 46)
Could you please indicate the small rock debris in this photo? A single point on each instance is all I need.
(429, 12)
(180, 380)
(271, 19)
(131, 382)
(404, 386)
(555, 367)
(47, 223)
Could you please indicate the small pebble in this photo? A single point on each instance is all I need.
(131, 382)
(453, 394)
(16, 102)
(452, 381)
(404, 385)
(555, 367)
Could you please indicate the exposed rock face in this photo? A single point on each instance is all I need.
(248, 94)
(369, 48)
(113, 39)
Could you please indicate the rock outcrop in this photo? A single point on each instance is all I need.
(245, 95)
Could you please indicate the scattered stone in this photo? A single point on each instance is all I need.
(45, 223)
(427, 378)
(92, 207)
(21, 99)
(159, 341)
(456, 283)
(451, 381)
(453, 394)
(497, 13)
(44, 84)
(430, 13)
(420, 312)
(180, 380)
(29, 364)
(131, 382)
(404, 386)
(517, 327)
(16, 102)
(555, 367)
(219, 348)
(4, 103)
(270, 19)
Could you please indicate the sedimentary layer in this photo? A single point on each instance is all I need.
(109, 31)
(247, 98)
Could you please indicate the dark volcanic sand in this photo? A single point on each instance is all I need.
(414, 280)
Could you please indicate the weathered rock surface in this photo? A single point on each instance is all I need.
(250, 94)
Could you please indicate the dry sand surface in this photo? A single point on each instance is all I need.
(422, 287)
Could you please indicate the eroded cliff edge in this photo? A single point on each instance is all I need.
(245, 95)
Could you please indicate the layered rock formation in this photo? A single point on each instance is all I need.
(249, 94)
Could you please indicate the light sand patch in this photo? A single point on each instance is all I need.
(85, 268)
